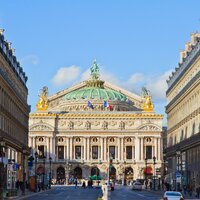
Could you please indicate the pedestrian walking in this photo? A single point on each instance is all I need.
(197, 192)
(185, 189)
(76, 183)
(83, 185)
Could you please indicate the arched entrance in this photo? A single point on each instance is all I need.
(60, 175)
(78, 173)
(113, 173)
(95, 171)
(128, 174)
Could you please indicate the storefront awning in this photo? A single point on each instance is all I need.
(148, 170)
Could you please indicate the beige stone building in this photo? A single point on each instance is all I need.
(14, 112)
(183, 114)
(82, 127)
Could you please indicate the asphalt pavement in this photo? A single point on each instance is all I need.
(67, 193)
(79, 193)
(126, 193)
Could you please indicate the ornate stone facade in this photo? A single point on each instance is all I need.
(183, 111)
(14, 112)
(80, 140)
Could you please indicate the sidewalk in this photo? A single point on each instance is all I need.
(28, 193)
(161, 193)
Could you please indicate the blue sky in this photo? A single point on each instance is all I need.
(136, 43)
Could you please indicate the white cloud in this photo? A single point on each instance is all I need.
(158, 85)
(107, 76)
(135, 78)
(155, 83)
(85, 75)
(66, 75)
(30, 59)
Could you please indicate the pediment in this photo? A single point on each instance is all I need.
(41, 127)
(149, 127)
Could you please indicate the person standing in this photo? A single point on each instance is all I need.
(76, 183)
(197, 192)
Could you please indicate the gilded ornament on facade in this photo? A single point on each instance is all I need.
(42, 104)
(148, 105)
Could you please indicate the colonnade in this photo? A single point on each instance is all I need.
(138, 148)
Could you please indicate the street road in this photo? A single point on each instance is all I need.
(125, 193)
(67, 193)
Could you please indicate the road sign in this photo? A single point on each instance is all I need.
(178, 174)
(178, 177)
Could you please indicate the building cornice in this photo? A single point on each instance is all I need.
(183, 145)
(185, 89)
(12, 86)
(181, 70)
(185, 120)
(8, 54)
(99, 115)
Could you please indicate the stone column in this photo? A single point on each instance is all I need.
(159, 148)
(71, 148)
(47, 143)
(102, 149)
(85, 148)
(67, 148)
(30, 141)
(34, 147)
(122, 149)
(53, 148)
(105, 149)
(64, 151)
(142, 148)
(137, 149)
(99, 152)
(155, 147)
(119, 150)
(133, 153)
(50, 148)
(88, 148)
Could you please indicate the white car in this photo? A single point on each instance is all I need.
(172, 195)
(137, 186)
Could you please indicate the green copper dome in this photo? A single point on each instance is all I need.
(95, 89)
(95, 93)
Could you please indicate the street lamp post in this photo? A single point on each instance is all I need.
(146, 173)
(36, 157)
(30, 164)
(154, 181)
(2, 169)
(24, 173)
(44, 157)
(178, 153)
(50, 172)
(164, 166)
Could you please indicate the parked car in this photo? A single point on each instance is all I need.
(172, 195)
(137, 186)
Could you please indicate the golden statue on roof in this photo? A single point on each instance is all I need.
(148, 105)
(42, 103)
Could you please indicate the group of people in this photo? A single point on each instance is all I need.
(20, 185)
(189, 189)
(89, 184)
